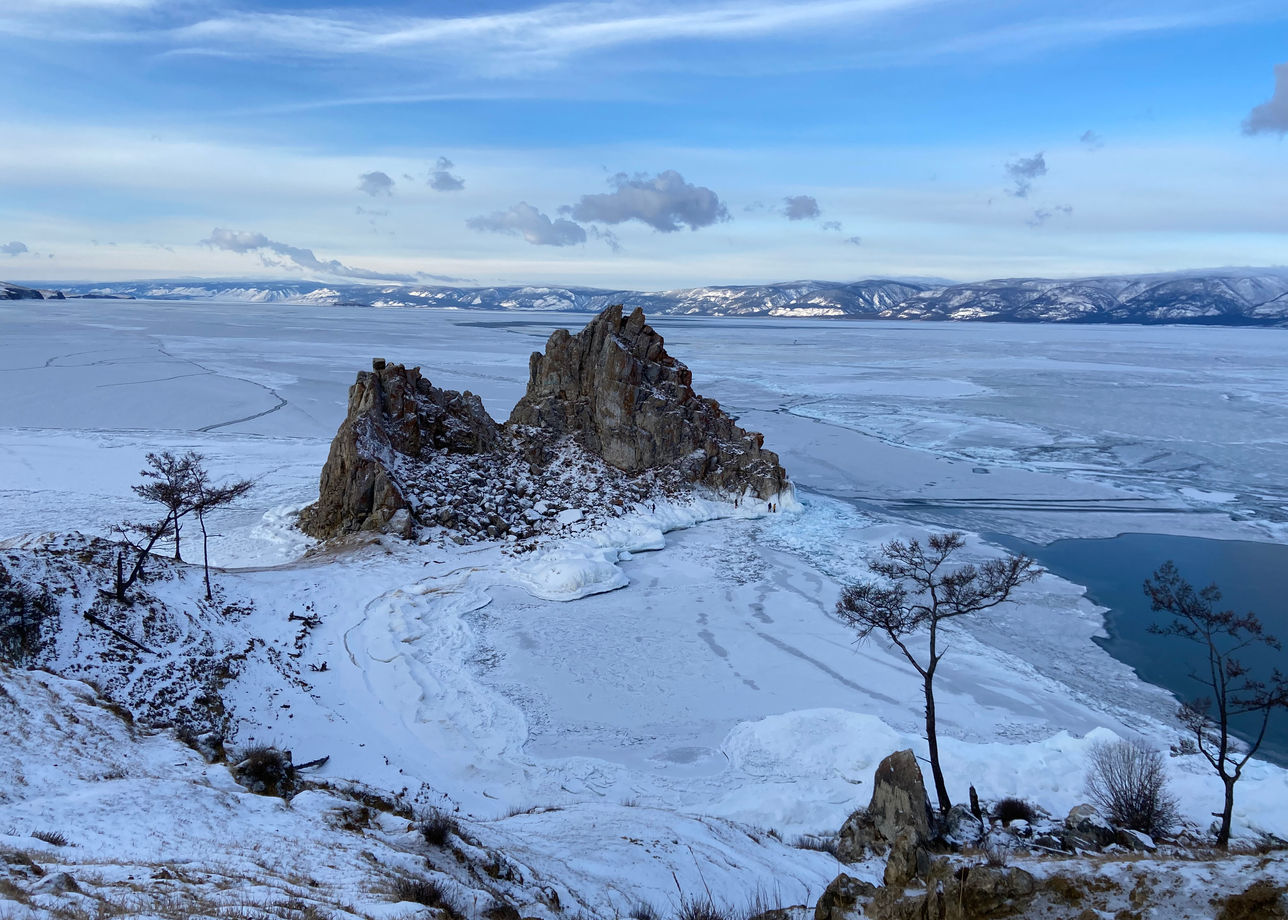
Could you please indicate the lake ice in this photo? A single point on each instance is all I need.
(715, 682)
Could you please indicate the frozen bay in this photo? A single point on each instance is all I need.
(716, 681)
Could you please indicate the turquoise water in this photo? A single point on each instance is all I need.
(1252, 576)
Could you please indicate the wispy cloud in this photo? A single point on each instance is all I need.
(551, 32)
(1271, 117)
(247, 241)
(1091, 140)
(13, 248)
(666, 202)
(534, 226)
(1042, 215)
(544, 37)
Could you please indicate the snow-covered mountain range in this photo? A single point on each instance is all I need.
(1236, 296)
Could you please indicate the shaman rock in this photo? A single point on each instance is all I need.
(609, 422)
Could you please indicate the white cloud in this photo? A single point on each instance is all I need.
(666, 202)
(247, 241)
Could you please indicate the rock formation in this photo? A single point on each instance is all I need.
(898, 809)
(616, 391)
(395, 417)
(609, 420)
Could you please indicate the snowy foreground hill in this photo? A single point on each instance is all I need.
(627, 714)
(1213, 297)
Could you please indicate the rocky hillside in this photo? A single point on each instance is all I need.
(1213, 297)
(17, 292)
(609, 421)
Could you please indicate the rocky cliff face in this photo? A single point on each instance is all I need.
(396, 417)
(609, 420)
(613, 388)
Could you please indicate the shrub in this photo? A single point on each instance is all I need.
(437, 826)
(1012, 809)
(53, 838)
(644, 911)
(266, 770)
(1129, 784)
(424, 891)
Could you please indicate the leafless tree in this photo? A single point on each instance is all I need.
(182, 486)
(1129, 784)
(207, 496)
(916, 591)
(1232, 690)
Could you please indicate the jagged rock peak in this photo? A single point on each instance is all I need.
(394, 415)
(614, 389)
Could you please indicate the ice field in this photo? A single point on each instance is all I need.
(702, 674)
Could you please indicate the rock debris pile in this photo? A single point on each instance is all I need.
(609, 421)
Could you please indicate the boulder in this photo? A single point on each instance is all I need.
(614, 389)
(1085, 829)
(898, 804)
(960, 827)
(841, 897)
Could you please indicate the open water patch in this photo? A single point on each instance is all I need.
(1252, 576)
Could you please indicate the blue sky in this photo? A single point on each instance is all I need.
(637, 144)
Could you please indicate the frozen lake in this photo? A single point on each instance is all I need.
(1040, 431)
(1034, 431)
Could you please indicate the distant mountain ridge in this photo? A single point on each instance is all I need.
(1228, 297)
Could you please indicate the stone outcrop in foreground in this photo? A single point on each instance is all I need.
(609, 420)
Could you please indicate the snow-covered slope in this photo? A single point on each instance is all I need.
(1215, 297)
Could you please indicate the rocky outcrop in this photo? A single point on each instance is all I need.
(614, 389)
(964, 893)
(395, 418)
(609, 420)
(17, 292)
(898, 809)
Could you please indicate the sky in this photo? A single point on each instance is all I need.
(646, 145)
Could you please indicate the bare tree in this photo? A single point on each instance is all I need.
(1129, 783)
(207, 496)
(182, 486)
(1234, 690)
(168, 482)
(916, 592)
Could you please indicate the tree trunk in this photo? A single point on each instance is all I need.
(941, 789)
(205, 552)
(177, 557)
(1223, 835)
